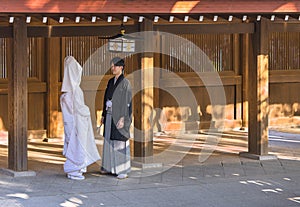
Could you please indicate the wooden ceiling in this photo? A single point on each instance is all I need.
(149, 6)
(98, 12)
(96, 19)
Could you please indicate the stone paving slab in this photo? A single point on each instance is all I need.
(233, 170)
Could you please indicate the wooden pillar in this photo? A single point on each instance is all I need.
(17, 98)
(156, 90)
(236, 67)
(144, 101)
(245, 73)
(258, 84)
(53, 61)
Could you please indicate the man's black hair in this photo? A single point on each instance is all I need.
(117, 61)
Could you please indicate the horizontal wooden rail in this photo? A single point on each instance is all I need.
(33, 87)
(193, 80)
(284, 76)
(92, 83)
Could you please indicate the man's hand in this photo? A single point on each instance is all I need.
(120, 123)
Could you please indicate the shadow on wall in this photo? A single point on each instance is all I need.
(171, 119)
(57, 123)
(2, 127)
(227, 116)
(174, 119)
(284, 115)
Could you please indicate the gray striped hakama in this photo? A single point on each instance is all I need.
(116, 154)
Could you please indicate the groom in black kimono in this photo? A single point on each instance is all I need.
(116, 116)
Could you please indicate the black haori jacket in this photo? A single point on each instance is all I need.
(120, 94)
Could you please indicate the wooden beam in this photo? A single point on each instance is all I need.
(6, 31)
(39, 31)
(87, 30)
(284, 27)
(68, 31)
(194, 81)
(17, 99)
(206, 28)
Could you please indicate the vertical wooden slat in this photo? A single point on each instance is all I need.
(17, 98)
(284, 51)
(279, 52)
(83, 47)
(271, 55)
(40, 59)
(245, 71)
(2, 57)
(218, 47)
(236, 69)
(278, 58)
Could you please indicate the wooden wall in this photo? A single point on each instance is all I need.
(36, 86)
(284, 84)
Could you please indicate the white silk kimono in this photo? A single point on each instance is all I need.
(80, 148)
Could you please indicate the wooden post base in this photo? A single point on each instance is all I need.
(258, 157)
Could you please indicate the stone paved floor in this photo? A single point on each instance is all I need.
(197, 170)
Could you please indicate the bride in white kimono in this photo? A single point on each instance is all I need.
(80, 148)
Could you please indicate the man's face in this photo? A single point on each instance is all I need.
(116, 70)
